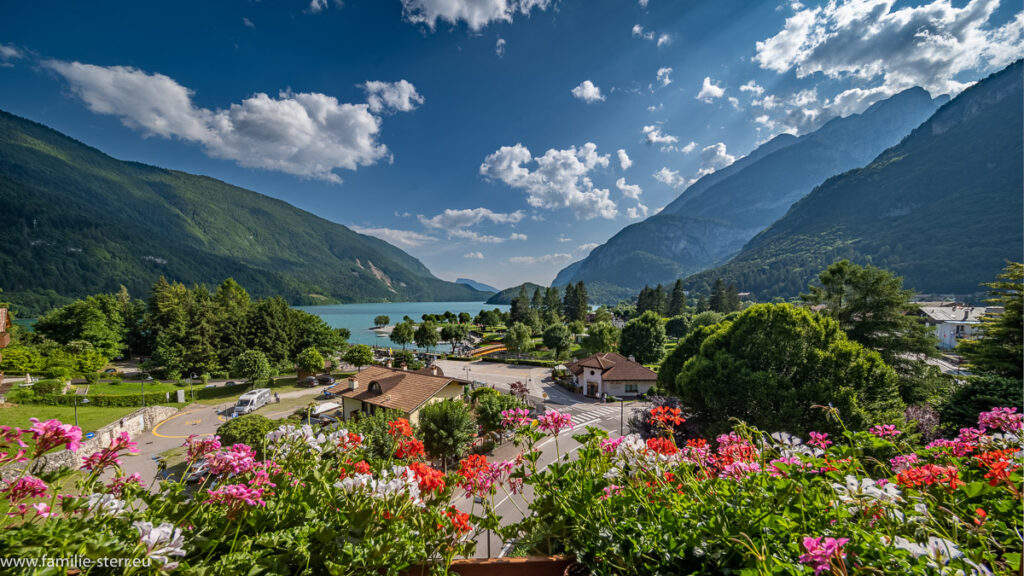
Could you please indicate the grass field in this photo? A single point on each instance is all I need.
(155, 387)
(89, 417)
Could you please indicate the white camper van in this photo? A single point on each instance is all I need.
(252, 400)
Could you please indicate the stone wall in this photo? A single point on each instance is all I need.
(134, 424)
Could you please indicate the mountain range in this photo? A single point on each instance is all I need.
(76, 222)
(478, 285)
(943, 208)
(713, 218)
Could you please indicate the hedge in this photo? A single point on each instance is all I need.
(98, 400)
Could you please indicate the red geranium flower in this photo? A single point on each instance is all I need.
(400, 427)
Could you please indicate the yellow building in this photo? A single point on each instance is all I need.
(380, 387)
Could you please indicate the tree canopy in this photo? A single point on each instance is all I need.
(447, 429)
(643, 338)
(253, 366)
(403, 334)
(774, 363)
(1000, 348)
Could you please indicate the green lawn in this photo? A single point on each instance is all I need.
(155, 387)
(90, 418)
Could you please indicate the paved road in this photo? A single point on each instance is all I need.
(502, 375)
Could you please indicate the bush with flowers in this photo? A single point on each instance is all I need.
(316, 504)
(756, 503)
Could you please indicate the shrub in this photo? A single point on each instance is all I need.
(44, 387)
(249, 429)
(979, 394)
(92, 378)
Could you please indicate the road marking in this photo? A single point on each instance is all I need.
(157, 427)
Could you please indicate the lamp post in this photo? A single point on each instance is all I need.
(84, 402)
(622, 412)
(191, 392)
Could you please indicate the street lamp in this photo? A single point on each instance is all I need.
(622, 412)
(191, 393)
(84, 402)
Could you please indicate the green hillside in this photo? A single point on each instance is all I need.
(506, 295)
(943, 208)
(77, 222)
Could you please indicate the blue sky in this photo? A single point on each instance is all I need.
(482, 136)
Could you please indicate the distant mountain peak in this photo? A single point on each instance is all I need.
(478, 285)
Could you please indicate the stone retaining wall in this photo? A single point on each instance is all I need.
(134, 424)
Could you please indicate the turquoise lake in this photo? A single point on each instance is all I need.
(358, 318)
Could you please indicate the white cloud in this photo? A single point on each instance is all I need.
(586, 248)
(643, 3)
(637, 212)
(710, 91)
(713, 158)
(475, 13)
(398, 96)
(517, 236)
(8, 53)
(887, 50)
(247, 23)
(545, 259)
(306, 134)
(560, 179)
(317, 6)
(469, 217)
(587, 92)
(624, 160)
(474, 255)
(403, 238)
(664, 40)
(671, 178)
(629, 190)
(690, 147)
(653, 108)
(499, 47)
(639, 32)
(735, 102)
(473, 236)
(753, 88)
(654, 135)
(665, 76)
(563, 238)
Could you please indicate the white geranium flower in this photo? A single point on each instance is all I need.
(161, 542)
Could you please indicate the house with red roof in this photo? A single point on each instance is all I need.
(612, 374)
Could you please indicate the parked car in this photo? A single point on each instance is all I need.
(230, 383)
(325, 379)
(198, 472)
(110, 371)
(307, 382)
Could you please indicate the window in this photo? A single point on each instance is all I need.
(375, 387)
(591, 372)
(632, 388)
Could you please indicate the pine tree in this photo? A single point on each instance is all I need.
(719, 301)
(1000, 350)
(677, 301)
(537, 302)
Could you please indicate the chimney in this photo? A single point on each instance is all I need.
(433, 369)
(631, 358)
(353, 384)
(404, 366)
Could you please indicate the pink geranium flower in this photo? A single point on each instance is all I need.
(53, 433)
(197, 447)
(514, 418)
(885, 431)
(24, 487)
(821, 551)
(554, 421)
(237, 459)
(1002, 418)
(110, 456)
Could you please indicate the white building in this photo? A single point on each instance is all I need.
(955, 323)
(613, 375)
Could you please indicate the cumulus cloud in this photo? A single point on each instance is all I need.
(499, 47)
(753, 88)
(637, 212)
(665, 76)
(473, 236)
(714, 157)
(404, 238)
(545, 259)
(560, 179)
(671, 178)
(664, 40)
(587, 92)
(477, 14)
(474, 255)
(305, 134)
(710, 91)
(654, 135)
(517, 236)
(624, 160)
(639, 32)
(628, 190)
(887, 49)
(469, 217)
(643, 3)
(586, 248)
(247, 23)
(563, 238)
(398, 96)
(690, 147)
